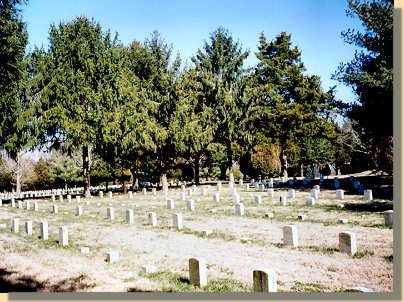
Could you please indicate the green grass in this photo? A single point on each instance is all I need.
(362, 254)
(389, 258)
(179, 283)
(308, 287)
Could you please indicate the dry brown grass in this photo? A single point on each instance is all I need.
(29, 263)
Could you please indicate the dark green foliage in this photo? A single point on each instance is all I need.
(224, 88)
(295, 111)
(370, 74)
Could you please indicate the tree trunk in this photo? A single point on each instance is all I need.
(196, 171)
(223, 169)
(284, 162)
(301, 170)
(229, 159)
(125, 191)
(18, 182)
(86, 170)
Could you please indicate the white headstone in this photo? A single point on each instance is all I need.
(28, 227)
(78, 198)
(44, 230)
(109, 194)
(63, 235)
(290, 235)
(269, 215)
(311, 201)
(239, 209)
(129, 215)
(100, 194)
(152, 218)
(15, 225)
(79, 211)
(144, 191)
(219, 186)
(264, 280)
(69, 198)
(110, 213)
(317, 187)
(368, 194)
(55, 209)
(216, 197)
(347, 242)
(340, 194)
(28, 205)
(60, 198)
(388, 218)
(84, 250)
(149, 269)
(291, 193)
(236, 198)
(177, 221)
(190, 205)
(204, 191)
(271, 193)
(282, 200)
(130, 195)
(112, 256)
(170, 204)
(314, 194)
(35, 206)
(247, 187)
(257, 199)
(181, 196)
(20, 204)
(197, 272)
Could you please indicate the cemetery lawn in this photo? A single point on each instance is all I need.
(237, 246)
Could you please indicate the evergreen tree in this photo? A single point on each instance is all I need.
(76, 86)
(219, 66)
(293, 104)
(370, 74)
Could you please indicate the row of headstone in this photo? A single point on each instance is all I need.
(63, 231)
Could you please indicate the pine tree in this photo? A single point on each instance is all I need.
(370, 74)
(219, 66)
(293, 104)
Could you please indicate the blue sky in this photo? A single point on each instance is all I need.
(315, 26)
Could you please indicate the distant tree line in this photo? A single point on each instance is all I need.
(134, 112)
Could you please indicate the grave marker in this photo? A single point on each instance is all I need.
(177, 221)
(314, 193)
(347, 242)
(197, 272)
(35, 206)
(55, 209)
(264, 280)
(129, 215)
(44, 230)
(290, 235)
(28, 205)
(271, 193)
(112, 257)
(216, 197)
(110, 213)
(257, 199)
(60, 198)
(152, 218)
(311, 201)
(78, 198)
(340, 194)
(190, 205)
(239, 209)
(63, 235)
(79, 211)
(292, 193)
(15, 225)
(368, 194)
(69, 198)
(149, 269)
(170, 204)
(28, 227)
(130, 194)
(110, 194)
(282, 200)
(388, 218)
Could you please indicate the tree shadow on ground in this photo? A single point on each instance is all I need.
(12, 281)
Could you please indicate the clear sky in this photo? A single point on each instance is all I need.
(315, 26)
